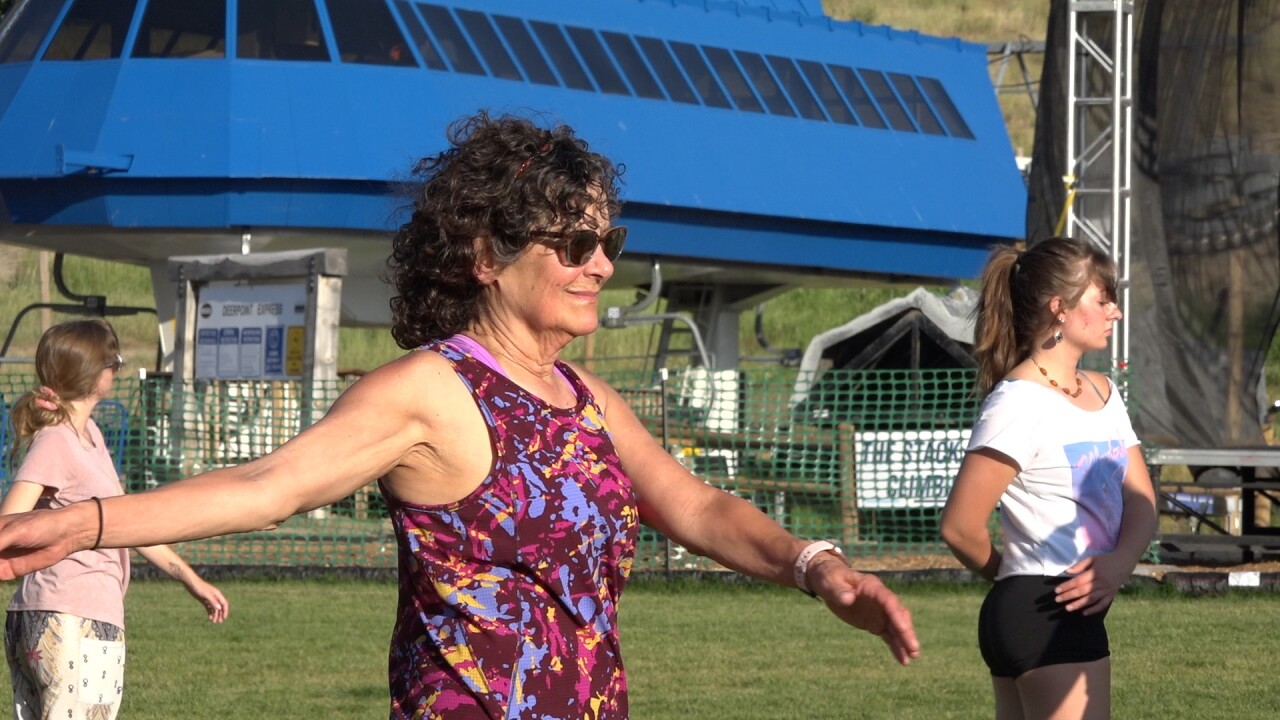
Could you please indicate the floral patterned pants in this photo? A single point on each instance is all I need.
(64, 667)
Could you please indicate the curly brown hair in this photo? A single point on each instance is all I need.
(501, 178)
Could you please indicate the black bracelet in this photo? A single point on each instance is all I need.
(98, 542)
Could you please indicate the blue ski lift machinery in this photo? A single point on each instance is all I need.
(767, 146)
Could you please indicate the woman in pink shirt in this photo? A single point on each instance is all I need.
(64, 636)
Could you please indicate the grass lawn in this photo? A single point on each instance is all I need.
(317, 649)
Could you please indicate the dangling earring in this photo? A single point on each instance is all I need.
(1057, 336)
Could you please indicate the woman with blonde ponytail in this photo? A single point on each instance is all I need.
(1053, 447)
(64, 635)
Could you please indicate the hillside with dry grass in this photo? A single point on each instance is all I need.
(791, 320)
(983, 22)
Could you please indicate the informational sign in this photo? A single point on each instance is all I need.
(250, 332)
(907, 469)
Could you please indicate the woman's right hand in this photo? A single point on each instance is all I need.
(863, 601)
(35, 540)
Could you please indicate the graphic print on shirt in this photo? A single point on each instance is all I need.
(1097, 474)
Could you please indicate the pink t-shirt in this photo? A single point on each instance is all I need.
(90, 583)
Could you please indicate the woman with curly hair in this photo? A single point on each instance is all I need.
(64, 635)
(516, 482)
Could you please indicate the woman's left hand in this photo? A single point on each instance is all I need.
(1094, 583)
(1095, 580)
(865, 603)
(212, 599)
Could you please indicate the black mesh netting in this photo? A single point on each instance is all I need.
(1204, 251)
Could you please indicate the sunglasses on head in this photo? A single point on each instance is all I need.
(115, 364)
(575, 248)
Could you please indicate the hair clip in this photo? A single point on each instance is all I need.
(546, 148)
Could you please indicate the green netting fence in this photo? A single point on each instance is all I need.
(866, 457)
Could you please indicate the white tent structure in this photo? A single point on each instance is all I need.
(950, 314)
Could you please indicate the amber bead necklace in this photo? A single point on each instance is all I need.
(1054, 383)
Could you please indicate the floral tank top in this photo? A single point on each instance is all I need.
(508, 597)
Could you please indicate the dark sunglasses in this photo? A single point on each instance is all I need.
(115, 364)
(575, 248)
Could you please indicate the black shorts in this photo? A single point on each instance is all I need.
(1021, 627)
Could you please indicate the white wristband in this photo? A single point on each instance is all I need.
(801, 567)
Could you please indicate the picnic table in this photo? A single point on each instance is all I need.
(1251, 540)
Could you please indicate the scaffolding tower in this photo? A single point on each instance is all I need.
(1099, 138)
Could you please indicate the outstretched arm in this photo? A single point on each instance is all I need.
(734, 533)
(214, 602)
(366, 433)
(22, 497)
